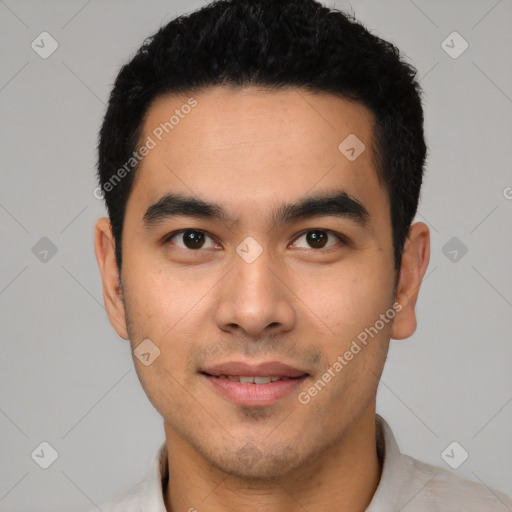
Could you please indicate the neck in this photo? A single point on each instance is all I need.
(345, 477)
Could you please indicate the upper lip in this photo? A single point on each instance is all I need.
(268, 369)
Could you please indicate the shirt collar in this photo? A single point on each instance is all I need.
(393, 475)
(156, 481)
(394, 472)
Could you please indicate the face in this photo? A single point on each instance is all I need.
(274, 260)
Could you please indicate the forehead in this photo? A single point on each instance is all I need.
(244, 146)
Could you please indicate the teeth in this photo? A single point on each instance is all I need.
(262, 380)
(252, 380)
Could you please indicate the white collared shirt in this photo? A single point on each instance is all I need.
(406, 485)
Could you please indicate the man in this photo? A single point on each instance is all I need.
(261, 163)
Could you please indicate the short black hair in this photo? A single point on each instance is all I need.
(274, 45)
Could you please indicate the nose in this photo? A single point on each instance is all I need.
(256, 299)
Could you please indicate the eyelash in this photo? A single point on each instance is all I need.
(339, 236)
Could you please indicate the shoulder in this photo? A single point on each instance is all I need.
(128, 501)
(439, 489)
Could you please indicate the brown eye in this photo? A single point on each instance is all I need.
(192, 239)
(317, 239)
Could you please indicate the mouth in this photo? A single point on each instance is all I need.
(251, 380)
(254, 385)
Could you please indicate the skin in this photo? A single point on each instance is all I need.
(251, 150)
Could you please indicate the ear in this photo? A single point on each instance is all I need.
(104, 248)
(415, 258)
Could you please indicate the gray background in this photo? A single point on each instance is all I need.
(66, 378)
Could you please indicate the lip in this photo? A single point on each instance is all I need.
(254, 395)
(268, 369)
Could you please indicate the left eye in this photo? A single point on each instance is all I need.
(317, 238)
(192, 239)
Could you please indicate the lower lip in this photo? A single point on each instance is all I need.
(255, 394)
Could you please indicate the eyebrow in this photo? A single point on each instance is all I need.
(327, 204)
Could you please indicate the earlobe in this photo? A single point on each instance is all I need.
(104, 248)
(415, 258)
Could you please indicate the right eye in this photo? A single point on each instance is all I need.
(191, 239)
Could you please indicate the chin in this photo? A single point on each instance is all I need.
(257, 464)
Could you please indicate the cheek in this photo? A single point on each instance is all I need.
(160, 299)
(159, 310)
(346, 299)
(170, 310)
